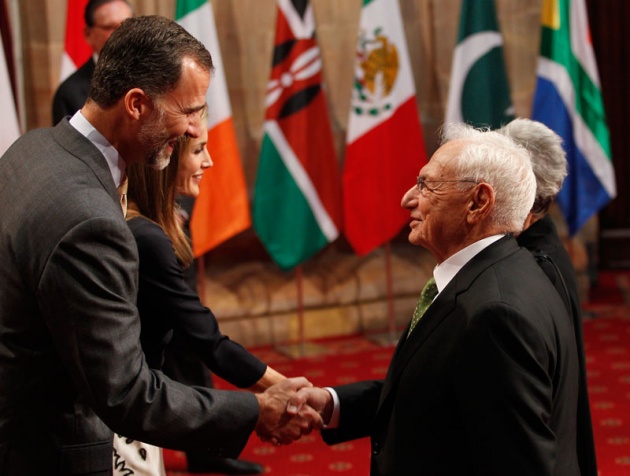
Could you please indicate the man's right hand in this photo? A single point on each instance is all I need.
(275, 423)
(319, 399)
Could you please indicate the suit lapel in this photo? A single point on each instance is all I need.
(408, 346)
(81, 148)
(441, 308)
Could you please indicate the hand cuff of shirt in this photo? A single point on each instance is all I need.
(334, 419)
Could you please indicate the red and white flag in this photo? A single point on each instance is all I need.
(385, 148)
(76, 51)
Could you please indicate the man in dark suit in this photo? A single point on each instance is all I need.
(486, 382)
(540, 236)
(71, 365)
(102, 17)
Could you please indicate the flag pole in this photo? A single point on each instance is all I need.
(300, 308)
(390, 293)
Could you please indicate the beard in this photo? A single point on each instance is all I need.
(154, 138)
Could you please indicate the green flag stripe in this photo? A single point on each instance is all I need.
(477, 16)
(466, 55)
(282, 216)
(589, 104)
(184, 7)
(484, 81)
(302, 180)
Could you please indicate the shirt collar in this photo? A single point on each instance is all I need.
(446, 271)
(115, 162)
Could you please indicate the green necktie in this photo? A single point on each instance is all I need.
(429, 291)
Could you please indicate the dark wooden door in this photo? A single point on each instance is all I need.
(610, 30)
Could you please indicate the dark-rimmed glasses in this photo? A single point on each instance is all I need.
(422, 184)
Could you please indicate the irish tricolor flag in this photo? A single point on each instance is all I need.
(385, 149)
(76, 51)
(296, 200)
(222, 208)
(479, 93)
(568, 99)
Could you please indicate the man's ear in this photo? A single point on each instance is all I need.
(137, 103)
(481, 202)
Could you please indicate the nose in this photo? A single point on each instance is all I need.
(206, 162)
(409, 199)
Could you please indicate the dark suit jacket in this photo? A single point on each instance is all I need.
(542, 239)
(72, 92)
(71, 364)
(485, 385)
(167, 303)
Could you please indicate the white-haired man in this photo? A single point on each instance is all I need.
(485, 381)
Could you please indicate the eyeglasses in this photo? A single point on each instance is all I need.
(422, 184)
(107, 27)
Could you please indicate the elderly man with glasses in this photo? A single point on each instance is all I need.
(484, 379)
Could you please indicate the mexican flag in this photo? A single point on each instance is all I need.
(222, 209)
(568, 99)
(76, 51)
(479, 92)
(385, 148)
(297, 193)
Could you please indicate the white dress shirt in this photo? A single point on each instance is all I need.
(443, 273)
(115, 162)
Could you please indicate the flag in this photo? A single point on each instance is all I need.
(9, 126)
(479, 93)
(76, 51)
(385, 148)
(568, 99)
(297, 193)
(222, 208)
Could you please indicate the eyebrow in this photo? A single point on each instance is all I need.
(193, 110)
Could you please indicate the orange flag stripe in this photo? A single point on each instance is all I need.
(222, 209)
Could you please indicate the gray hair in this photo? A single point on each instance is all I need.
(547, 155)
(493, 158)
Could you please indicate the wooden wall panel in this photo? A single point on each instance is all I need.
(611, 41)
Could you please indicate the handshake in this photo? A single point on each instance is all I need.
(290, 409)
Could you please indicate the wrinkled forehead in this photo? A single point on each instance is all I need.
(443, 161)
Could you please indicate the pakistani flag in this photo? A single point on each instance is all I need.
(479, 93)
(568, 99)
(297, 193)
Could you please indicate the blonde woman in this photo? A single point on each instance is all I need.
(165, 300)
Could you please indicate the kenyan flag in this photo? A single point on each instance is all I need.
(297, 193)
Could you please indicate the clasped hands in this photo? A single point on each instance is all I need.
(290, 409)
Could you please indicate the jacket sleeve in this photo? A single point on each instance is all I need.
(358, 403)
(87, 291)
(506, 393)
(165, 296)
